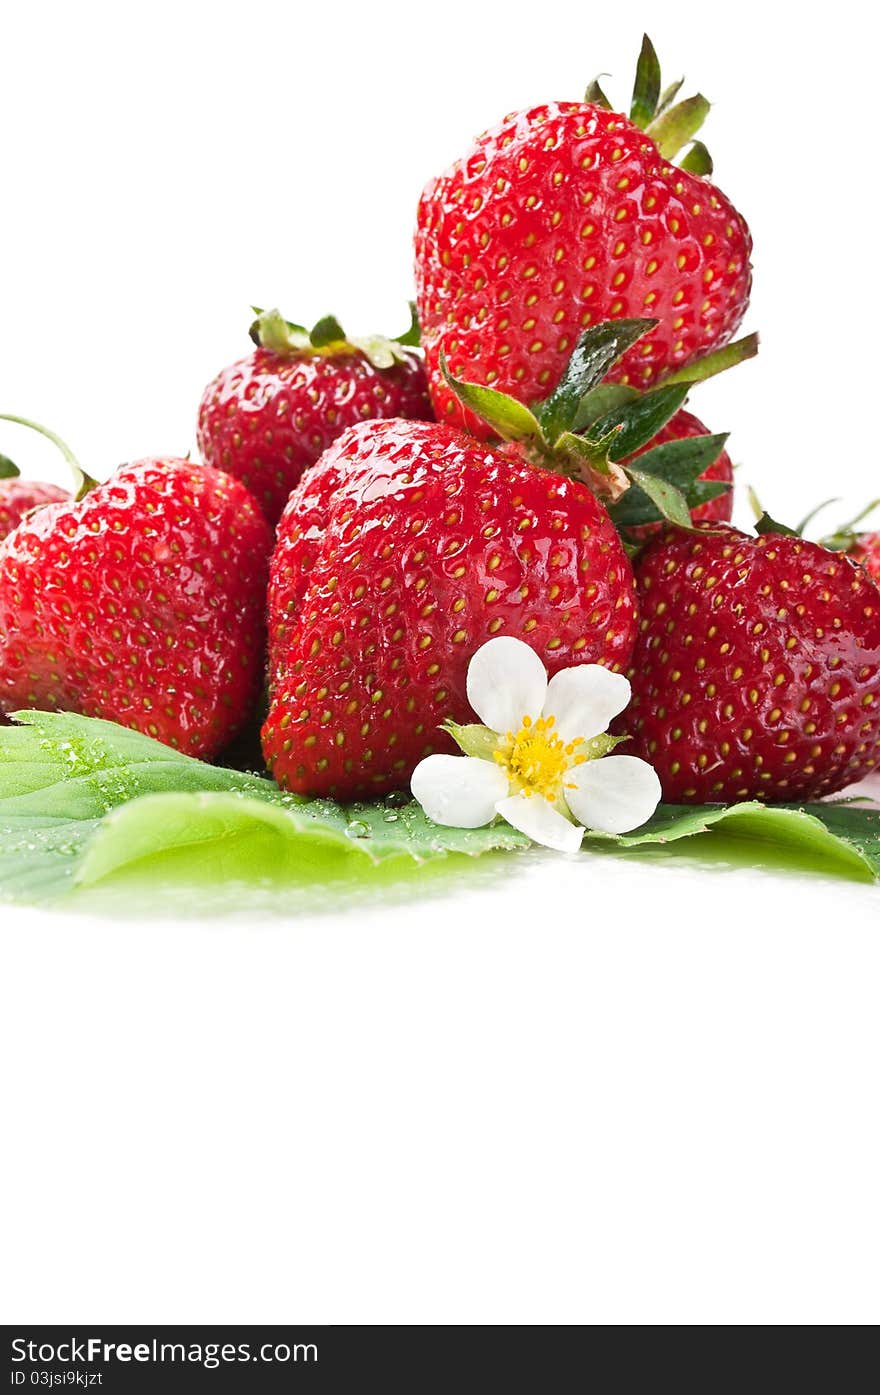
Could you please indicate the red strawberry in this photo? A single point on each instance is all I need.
(143, 603)
(401, 552)
(757, 669)
(566, 215)
(19, 497)
(268, 417)
(684, 426)
(865, 550)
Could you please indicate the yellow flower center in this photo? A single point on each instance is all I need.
(536, 759)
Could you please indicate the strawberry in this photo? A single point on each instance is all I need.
(757, 670)
(402, 552)
(865, 550)
(862, 546)
(268, 417)
(18, 497)
(410, 544)
(142, 602)
(566, 215)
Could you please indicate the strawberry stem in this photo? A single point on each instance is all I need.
(83, 481)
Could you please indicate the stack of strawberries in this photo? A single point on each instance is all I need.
(531, 472)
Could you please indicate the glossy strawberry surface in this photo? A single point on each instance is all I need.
(18, 497)
(405, 549)
(144, 604)
(757, 669)
(270, 416)
(558, 218)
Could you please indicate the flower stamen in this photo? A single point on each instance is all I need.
(536, 759)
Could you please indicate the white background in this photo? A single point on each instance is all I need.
(580, 1091)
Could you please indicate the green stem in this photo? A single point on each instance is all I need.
(83, 481)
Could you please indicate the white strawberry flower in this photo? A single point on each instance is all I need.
(541, 758)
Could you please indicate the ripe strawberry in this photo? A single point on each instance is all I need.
(268, 417)
(19, 497)
(566, 215)
(141, 603)
(863, 547)
(757, 669)
(865, 550)
(684, 426)
(399, 554)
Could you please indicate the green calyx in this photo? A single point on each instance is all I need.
(671, 124)
(843, 539)
(8, 468)
(271, 331)
(586, 428)
(847, 534)
(82, 482)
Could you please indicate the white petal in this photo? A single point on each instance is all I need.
(506, 681)
(613, 795)
(536, 818)
(459, 791)
(585, 700)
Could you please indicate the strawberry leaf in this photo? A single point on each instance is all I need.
(646, 92)
(8, 469)
(595, 94)
(507, 417)
(681, 462)
(678, 125)
(600, 401)
(82, 798)
(697, 160)
(766, 524)
(412, 337)
(717, 362)
(669, 95)
(839, 838)
(669, 501)
(597, 350)
(328, 330)
(638, 422)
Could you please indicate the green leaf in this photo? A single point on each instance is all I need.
(638, 422)
(595, 94)
(682, 462)
(678, 125)
(597, 350)
(508, 418)
(646, 92)
(838, 837)
(271, 331)
(697, 160)
(766, 524)
(844, 536)
(8, 469)
(80, 798)
(669, 95)
(474, 739)
(412, 337)
(703, 491)
(718, 362)
(328, 330)
(669, 501)
(601, 400)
